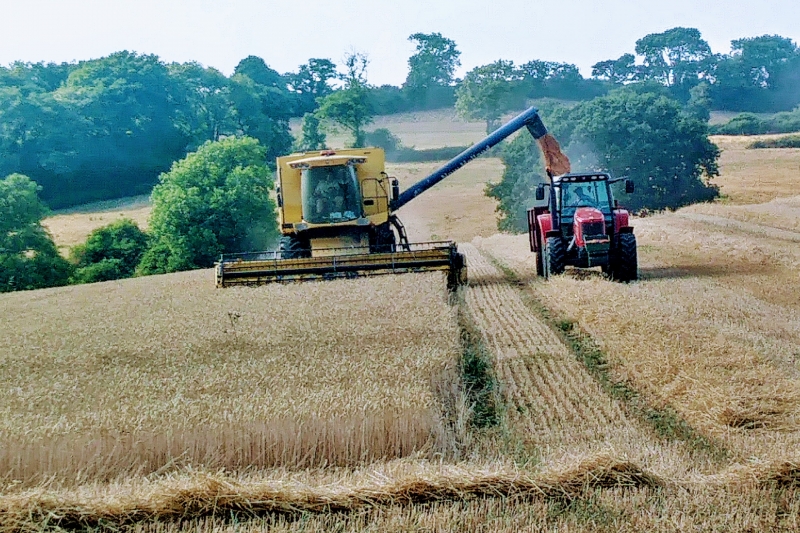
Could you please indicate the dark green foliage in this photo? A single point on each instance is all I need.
(752, 124)
(792, 141)
(649, 139)
(311, 137)
(383, 138)
(110, 252)
(430, 71)
(515, 192)
(28, 257)
(350, 107)
(103, 270)
(311, 82)
(487, 93)
(214, 201)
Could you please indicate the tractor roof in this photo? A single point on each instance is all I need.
(574, 177)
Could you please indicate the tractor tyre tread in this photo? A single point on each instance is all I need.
(555, 258)
(626, 267)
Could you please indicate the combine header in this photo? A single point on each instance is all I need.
(337, 214)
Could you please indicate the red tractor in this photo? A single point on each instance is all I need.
(583, 226)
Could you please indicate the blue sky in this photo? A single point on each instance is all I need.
(287, 33)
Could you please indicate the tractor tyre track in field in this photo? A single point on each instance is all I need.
(549, 394)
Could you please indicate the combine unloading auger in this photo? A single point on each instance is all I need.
(338, 216)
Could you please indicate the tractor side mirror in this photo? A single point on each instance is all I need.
(395, 189)
(279, 197)
(540, 192)
(629, 187)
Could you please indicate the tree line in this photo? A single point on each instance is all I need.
(106, 128)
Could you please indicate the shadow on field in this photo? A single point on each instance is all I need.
(708, 270)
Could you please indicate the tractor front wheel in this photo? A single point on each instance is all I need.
(555, 259)
(625, 263)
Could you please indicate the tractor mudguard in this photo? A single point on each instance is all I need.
(621, 220)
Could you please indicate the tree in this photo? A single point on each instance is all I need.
(431, 67)
(312, 82)
(110, 252)
(350, 107)
(622, 70)
(677, 57)
(311, 137)
(28, 257)
(262, 113)
(761, 74)
(484, 93)
(205, 110)
(650, 139)
(216, 200)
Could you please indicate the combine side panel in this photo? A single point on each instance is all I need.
(263, 268)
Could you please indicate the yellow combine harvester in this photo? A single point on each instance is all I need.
(337, 218)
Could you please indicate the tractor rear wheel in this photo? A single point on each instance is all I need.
(625, 263)
(555, 259)
(293, 247)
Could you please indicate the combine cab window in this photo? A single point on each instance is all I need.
(330, 194)
(585, 194)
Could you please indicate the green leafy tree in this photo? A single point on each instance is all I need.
(653, 141)
(485, 93)
(216, 200)
(761, 74)
(263, 113)
(350, 106)
(28, 257)
(431, 68)
(110, 252)
(205, 111)
(677, 57)
(311, 137)
(622, 70)
(311, 82)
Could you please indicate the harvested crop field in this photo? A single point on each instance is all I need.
(576, 404)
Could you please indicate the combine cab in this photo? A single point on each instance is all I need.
(582, 226)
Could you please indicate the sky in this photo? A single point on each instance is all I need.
(286, 33)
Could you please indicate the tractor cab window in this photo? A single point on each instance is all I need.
(330, 194)
(585, 194)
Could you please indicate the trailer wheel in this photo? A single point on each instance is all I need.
(625, 263)
(555, 259)
(292, 247)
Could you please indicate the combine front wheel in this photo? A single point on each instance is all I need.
(292, 247)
